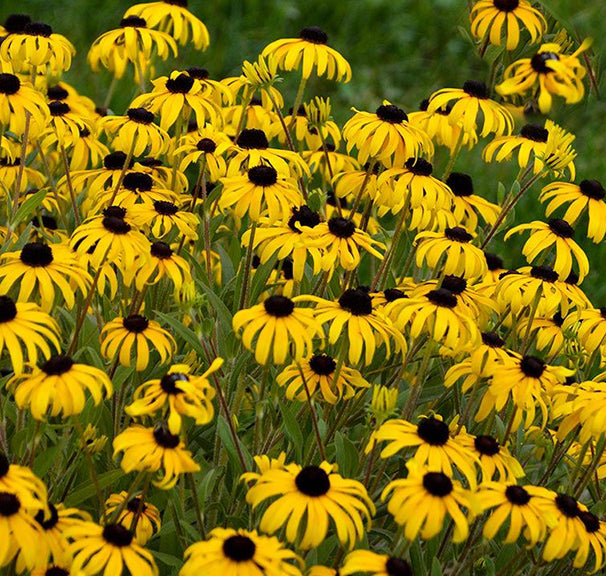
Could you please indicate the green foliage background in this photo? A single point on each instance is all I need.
(401, 50)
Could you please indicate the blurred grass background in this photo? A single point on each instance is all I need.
(401, 50)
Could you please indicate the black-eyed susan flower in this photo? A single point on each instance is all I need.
(161, 262)
(468, 205)
(160, 217)
(451, 252)
(135, 336)
(589, 325)
(494, 460)
(238, 552)
(212, 89)
(173, 17)
(25, 326)
(356, 182)
(20, 529)
(256, 116)
(385, 136)
(20, 480)
(252, 149)
(135, 132)
(260, 192)
(84, 151)
(411, 186)
(137, 187)
(65, 126)
(424, 499)
(587, 196)
(377, 564)
(95, 548)
(207, 148)
(367, 329)
(37, 46)
(287, 241)
(546, 332)
(526, 509)
(9, 175)
(341, 241)
(309, 52)
(549, 72)
(432, 444)
(136, 512)
(319, 373)
(556, 232)
(269, 329)
(437, 314)
(59, 386)
(308, 498)
(18, 98)
(40, 269)
(152, 450)
(472, 103)
(592, 540)
(178, 393)
(492, 19)
(133, 42)
(174, 94)
(91, 442)
(112, 236)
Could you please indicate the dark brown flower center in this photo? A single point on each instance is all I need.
(341, 227)
(263, 176)
(239, 548)
(252, 139)
(314, 34)
(476, 89)
(442, 297)
(9, 504)
(545, 273)
(138, 182)
(56, 571)
(561, 228)
(164, 438)
(140, 115)
(517, 495)
(506, 5)
(181, 84)
(592, 189)
(305, 216)
(279, 306)
(460, 184)
(539, 62)
(455, 284)
(437, 484)
(133, 22)
(114, 161)
(590, 521)
(206, 145)
(356, 301)
(38, 29)
(419, 166)
(8, 309)
(322, 364)
(165, 208)
(391, 113)
(486, 445)
(117, 535)
(36, 254)
(534, 132)
(198, 73)
(567, 505)
(392, 294)
(493, 261)
(51, 521)
(493, 340)
(4, 465)
(161, 250)
(58, 108)
(16, 23)
(169, 382)
(433, 431)
(397, 567)
(136, 505)
(57, 93)
(458, 234)
(57, 365)
(532, 366)
(135, 323)
(9, 84)
(312, 481)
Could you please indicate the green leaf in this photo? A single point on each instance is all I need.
(292, 427)
(167, 559)
(29, 206)
(86, 490)
(228, 443)
(436, 567)
(182, 331)
(346, 455)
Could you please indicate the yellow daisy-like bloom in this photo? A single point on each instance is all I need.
(96, 548)
(25, 326)
(112, 238)
(525, 380)
(316, 493)
(467, 205)
(366, 328)
(252, 149)
(319, 161)
(207, 148)
(17, 99)
(132, 42)
(309, 52)
(421, 503)
(123, 338)
(411, 187)
(65, 125)
(276, 324)
(37, 46)
(494, 18)
(152, 449)
(341, 241)
(9, 174)
(528, 509)
(39, 268)
(136, 187)
(173, 17)
(211, 89)
(433, 443)
(493, 459)
(161, 217)
(58, 387)
(238, 552)
(318, 373)
(174, 94)
(593, 539)
(322, 571)
(260, 193)
(376, 564)
(589, 326)
(471, 102)
(177, 394)
(546, 332)
(451, 249)
(288, 241)
(436, 313)
(558, 233)
(135, 131)
(588, 196)
(160, 262)
(85, 150)
(20, 529)
(349, 184)
(255, 116)
(81, 105)
(135, 512)
(21, 481)
(547, 73)
(438, 127)
(386, 136)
